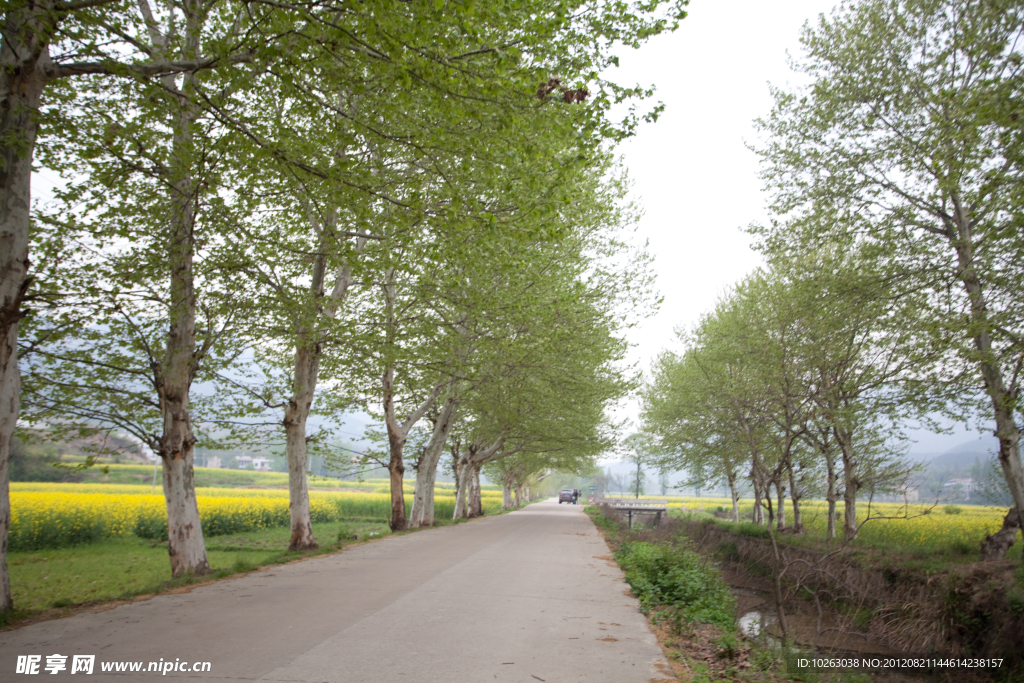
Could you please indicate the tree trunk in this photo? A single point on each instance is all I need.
(6, 602)
(832, 494)
(184, 530)
(23, 54)
(795, 495)
(397, 436)
(177, 443)
(295, 416)
(475, 502)
(758, 515)
(850, 482)
(462, 486)
(1002, 399)
(779, 566)
(305, 374)
(396, 471)
(780, 489)
(426, 473)
(761, 488)
(10, 389)
(181, 364)
(735, 498)
(996, 546)
(506, 495)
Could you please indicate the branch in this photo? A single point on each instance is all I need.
(424, 407)
(111, 68)
(79, 5)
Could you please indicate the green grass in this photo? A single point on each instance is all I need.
(679, 579)
(120, 568)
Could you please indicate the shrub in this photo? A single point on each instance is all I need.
(678, 578)
(952, 509)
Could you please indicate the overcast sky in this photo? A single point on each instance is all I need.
(692, 172)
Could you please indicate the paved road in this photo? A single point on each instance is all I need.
(515, 598)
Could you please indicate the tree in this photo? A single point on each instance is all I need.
(91, 39)
(107, 38)
(691, 408)
(796, 361)
(638, 448)
(144, 144)
(908, 132)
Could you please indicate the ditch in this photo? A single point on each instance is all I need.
(879, 617)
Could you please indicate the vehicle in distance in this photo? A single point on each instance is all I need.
(565, 496)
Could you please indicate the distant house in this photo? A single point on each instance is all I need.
(247, 462)
(960, 487)
(908, 493)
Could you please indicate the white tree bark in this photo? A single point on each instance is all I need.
(296, 413)
(735, 497)
(422, 513)
(305, 374)
(460, 489)
(467, 502)
(795, 494)
(174, 378)
(851, 483)
(758, 517)
(398, 434)
(474, 499)
(780, 520)
(832, 495)
(961, 236)
(24, 55)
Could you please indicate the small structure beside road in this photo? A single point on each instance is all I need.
(657, 507)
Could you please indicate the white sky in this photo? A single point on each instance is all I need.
(692, 173)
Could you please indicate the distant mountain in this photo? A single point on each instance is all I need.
(983, 445)
(962, 457)
(959, 462)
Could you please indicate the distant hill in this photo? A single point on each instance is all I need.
(983, 444)
(961, 458)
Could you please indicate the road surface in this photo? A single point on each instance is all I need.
(526, 596)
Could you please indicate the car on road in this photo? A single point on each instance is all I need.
(565, 496)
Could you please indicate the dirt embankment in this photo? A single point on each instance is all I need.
(973, 610)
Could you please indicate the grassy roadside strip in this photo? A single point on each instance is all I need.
(690, 608)
(55, 583)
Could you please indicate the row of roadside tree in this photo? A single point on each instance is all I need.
(263, 212)
(892, 285)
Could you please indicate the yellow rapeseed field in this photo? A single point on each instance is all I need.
(55, 515)
(915, 527)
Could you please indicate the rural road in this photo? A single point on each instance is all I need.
(521, 597)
